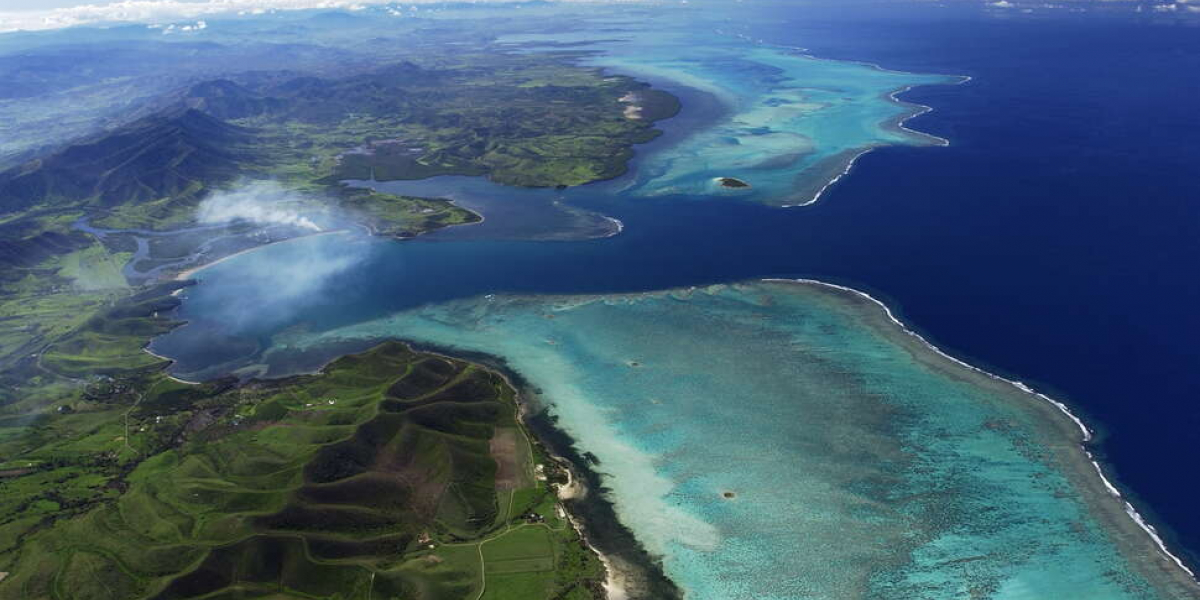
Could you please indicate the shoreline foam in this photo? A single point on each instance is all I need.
(575, 490)
(899, 123)
(1086, 434)
(1128, 513)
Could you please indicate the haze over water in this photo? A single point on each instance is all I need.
(862, 465)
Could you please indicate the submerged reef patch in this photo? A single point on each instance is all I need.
(867, 464)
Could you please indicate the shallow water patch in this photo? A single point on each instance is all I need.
(862, 464)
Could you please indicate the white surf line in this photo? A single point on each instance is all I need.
(616, 223)
(191, 271)
(918, 109)
(828, 184)
(1087, 434)
(573, 489)
(806, 53)
(171, 361)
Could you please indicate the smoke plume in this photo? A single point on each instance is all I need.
(259, 202)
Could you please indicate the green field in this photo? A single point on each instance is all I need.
(373, 479)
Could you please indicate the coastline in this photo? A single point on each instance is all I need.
(188, 273)
(1060, 435)
(169, 361)
(1130, 514)
(631, 573)
(974, 321)
(369, 184)
(1086, 435)
(1101, 495)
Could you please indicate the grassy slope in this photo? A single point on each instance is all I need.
(53, 299)
(530, 120)
(372, 479)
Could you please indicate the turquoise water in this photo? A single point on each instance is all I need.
(860, 464)
(861, 467)
(794, 122)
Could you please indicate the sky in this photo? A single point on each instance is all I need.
(53, 14)
(37, 4)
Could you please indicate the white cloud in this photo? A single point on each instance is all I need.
(156, 11)
(259, 202)
(1002, 4)
(176, 28)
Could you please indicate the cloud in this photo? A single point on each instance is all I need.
(259, 202)
(287, 277)
(173, 28)
(165, 11)
(273, 284)
(157, 11)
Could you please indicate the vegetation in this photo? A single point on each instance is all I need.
(536, 120)
(521, 119)
(400, 216)
(392, 474)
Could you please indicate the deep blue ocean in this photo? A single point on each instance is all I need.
(1057, 239)
(1054, 241)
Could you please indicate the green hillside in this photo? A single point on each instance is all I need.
(174, 154)
(392, 474)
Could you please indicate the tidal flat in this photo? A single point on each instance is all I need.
(788, 440)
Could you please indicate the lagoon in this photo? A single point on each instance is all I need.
(991, 464)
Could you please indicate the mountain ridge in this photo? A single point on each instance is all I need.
(160, 155)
